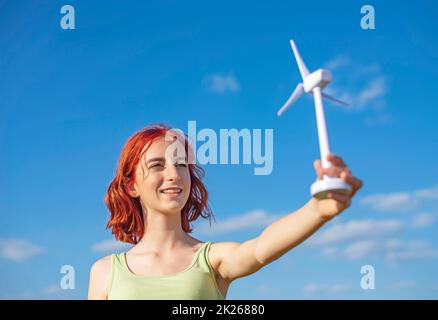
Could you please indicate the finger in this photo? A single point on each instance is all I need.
(355, 183)
(318, 168)
(334, 171)
(345, 174)
(336, 160)
(343, 199)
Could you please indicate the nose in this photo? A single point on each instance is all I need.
(171, 172)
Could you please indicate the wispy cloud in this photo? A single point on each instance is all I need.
(250, 220)
(395, 201)
(326, 289)
(427, 193)
(109, 246)
(390, 250)
(423, 220)
(360, 249)
(55, 292)
(373, 90)
(400, 201)
(54, 289)
(362, 86)
(357, 229)
(361, 238)
(19, 250)
(416, 250)
(220, 83)
(337, 62)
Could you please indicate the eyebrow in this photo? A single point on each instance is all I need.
(162, 159)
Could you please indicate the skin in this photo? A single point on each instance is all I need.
(166, 249)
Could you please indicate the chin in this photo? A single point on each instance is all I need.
(172, 207)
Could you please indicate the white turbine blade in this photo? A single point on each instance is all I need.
(294, 97)
(303, 69)
(342, 103)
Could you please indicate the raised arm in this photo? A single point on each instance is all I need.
(242, 259)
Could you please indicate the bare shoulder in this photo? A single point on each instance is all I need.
(100, 278)
(219, 251)
(102, 265)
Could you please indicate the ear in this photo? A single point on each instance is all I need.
(134, 193)
(132, 190)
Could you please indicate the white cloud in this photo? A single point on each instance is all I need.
(326, 289)
(423, 220)
(399, 251)
(19, 250)
(396, 201)
(353, 251)
(53, 289)
(311, 288)
(362, 86)
(330, 251)
(428, 193)
(400, 201)
(219, 83)
(374, 89)
(372, 237)
(411, 254)
(391, 250)
(356, 229)
(108, 246)
(250, 220)
(360, 249)
(337, 62)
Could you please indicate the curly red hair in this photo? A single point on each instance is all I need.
(127, 219)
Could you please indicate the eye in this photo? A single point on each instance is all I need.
(155, 165)
(181, 164)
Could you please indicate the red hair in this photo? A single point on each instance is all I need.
(127, 219)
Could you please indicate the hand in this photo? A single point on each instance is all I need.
(336, 202)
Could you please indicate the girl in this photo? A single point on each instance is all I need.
(154, 198)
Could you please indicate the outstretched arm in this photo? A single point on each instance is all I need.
(242, 259)
(288, 232)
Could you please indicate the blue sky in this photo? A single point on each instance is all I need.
(69, 99)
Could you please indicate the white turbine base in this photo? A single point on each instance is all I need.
(321, 188)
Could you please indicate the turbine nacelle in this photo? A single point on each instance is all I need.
(319, 78)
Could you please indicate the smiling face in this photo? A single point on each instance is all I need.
(162, 180)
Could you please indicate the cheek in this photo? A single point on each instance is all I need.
(152, 183)
(185, 182)
(187, 179)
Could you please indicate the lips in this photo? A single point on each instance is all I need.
(171, 190)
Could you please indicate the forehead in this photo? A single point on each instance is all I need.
(170, 148)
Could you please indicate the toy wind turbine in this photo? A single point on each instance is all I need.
(313, 83)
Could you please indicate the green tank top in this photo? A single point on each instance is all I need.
(196, 282)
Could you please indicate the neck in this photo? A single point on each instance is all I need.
(162, 232)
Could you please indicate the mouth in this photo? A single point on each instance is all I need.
(172, 192)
